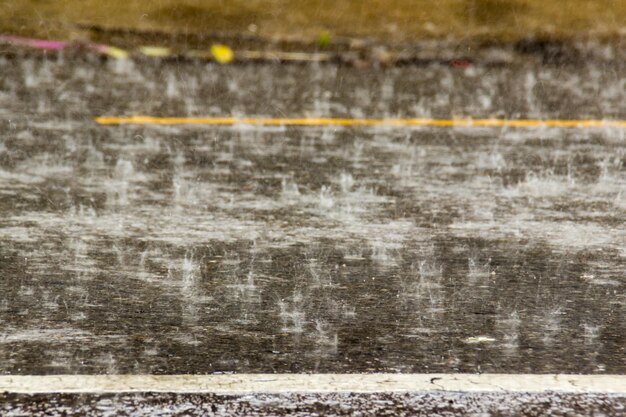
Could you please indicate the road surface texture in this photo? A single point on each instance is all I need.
(382, 404)
(193, 249)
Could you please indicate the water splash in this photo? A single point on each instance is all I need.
(292, 314)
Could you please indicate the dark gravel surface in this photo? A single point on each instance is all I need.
(383, 404)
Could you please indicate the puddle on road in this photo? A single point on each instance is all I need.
(194, 250)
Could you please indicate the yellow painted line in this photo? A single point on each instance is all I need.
(229, 121)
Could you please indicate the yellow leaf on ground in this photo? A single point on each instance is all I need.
(115, 52)
(324, 39)
(222, 53)
(155, 51)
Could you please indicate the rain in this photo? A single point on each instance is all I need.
(341, 198)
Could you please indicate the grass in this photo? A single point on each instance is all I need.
(323, 20)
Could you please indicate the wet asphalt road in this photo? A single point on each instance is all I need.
(139, 249)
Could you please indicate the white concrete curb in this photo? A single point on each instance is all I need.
(307, 383)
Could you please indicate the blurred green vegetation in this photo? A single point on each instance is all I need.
(322, 20)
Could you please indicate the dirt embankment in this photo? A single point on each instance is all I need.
(317, 22)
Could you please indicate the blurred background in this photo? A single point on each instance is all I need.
(319, 21)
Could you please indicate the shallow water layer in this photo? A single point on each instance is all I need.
(319, 249)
